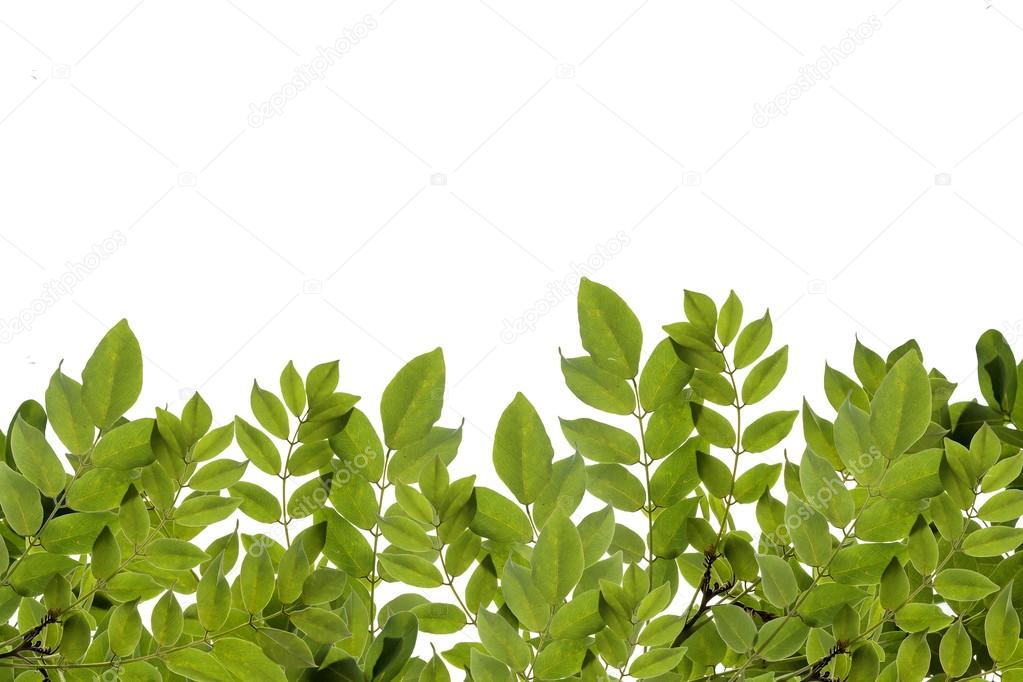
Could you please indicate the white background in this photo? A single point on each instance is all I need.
(463, 156)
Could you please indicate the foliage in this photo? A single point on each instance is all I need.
(888, 551)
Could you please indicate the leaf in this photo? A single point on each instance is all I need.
(405, 533)
(668, 427)
(610, 331)
(205, 510)
(780, 638)
(347, 548)
(174, 554)
(411, 570)
(1004, 506)
(676, 476)
(914, 658)
(256, 580)
(247, 661)
(557, 558)
(285, 648)
(320, 624)
(412, 402)
(730, 319)
(753, 340)
(578, 618)
(559, 659)
(256, 502)
(992, 541)
(901, 409)
(955, 650)
(213, 443)
(765, 376)
(779, 583)
(126, 446)
(439, 619)
(112, 378)
(522, 452)
(663, 377)
(656, 662)
(19, 500)
(669, 536)
(735, 627)
(712, 426)
(863, 564)
(106, 555)
(767, 431)
(855, 445)
(499, 519)
(523, 597)
(213, 596)
(839, 388)
(600, 442)
(35, 459)
(97, 490)
(67, 413)
(808, 531)
(502, 640)
(217, 475)
(597, 388)
(615, 485)
(269, 411)
(825, 490)
(124, 629)
(961, 584)
(914, 476)
(258, 447)
(484, 667)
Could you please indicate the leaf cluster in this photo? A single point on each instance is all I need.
(660, 536)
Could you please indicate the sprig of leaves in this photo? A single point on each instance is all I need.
(666, 534)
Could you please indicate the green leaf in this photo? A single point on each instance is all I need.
(765, 376)
(596, 387)
(730, 319)
(610, 331)
(126, 446)
(600, 442)
(656, 662)
(412, 402)
(663, 377)
(258, 447)
(825, 490)
(19, 500)
(213, 443)
(106, 555)
(668, 427)
(217, 475)
(502, 640)
(615, 485)
(269, 411)
(36, 460)
(715, 474)
(885, 520)
(256, 581)
(124, 629)
(753, 340)
(914, 657)
(808, 531)
(213, 596)
(559, 659)
(735, 627)
(676, 476)
(914, 476)
(522, 452)
(780, 638)
(205, 510)
(767, 431)
(485, 667)
(405, 533)
(863, 564)
(97, 490)
(839, 388)
(714, 427)
(499, 519)
(855, 445)
(1004, 506)
(557, 558)
(901, 409)
(779, 583)
(411, 570)
(256, 502)
(320, 624)
(961, 584)
(669, 536)
(578, 618)
(524, 598)
(347, 548)
(955, 650)
(285, 648)
(992, 541)
(67, 413)
(321, 381)
(174, 555)
(167, 619)
(894, 585)
(293, 389)
(246, 661)
(112, 378)
(439, 619)
(869, 366)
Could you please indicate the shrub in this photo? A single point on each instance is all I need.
(887, 552)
